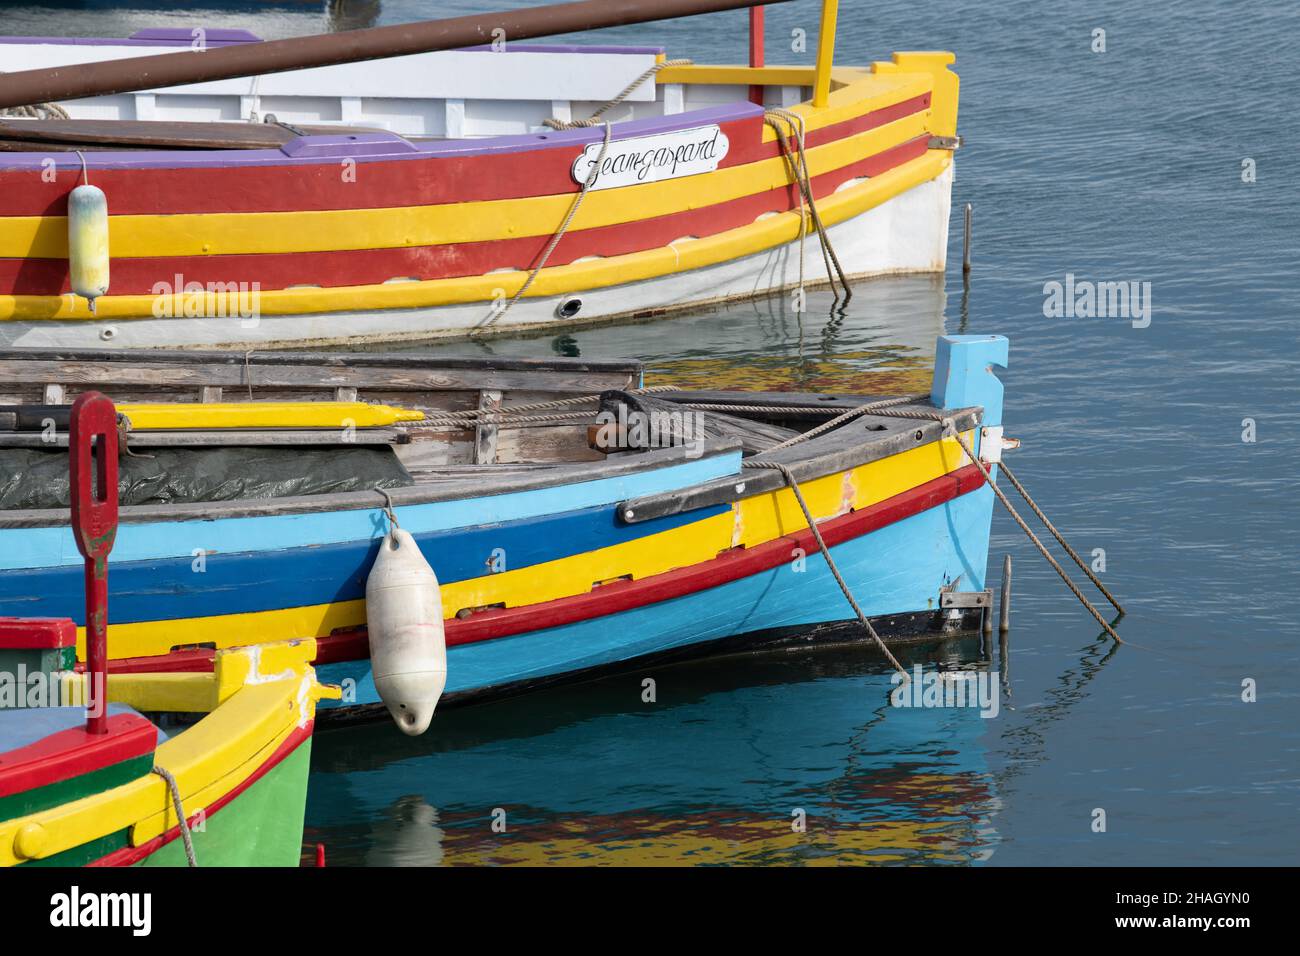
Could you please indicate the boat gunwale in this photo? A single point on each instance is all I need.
(824, 455)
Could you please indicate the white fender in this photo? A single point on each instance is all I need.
(408, 652)
(88, 242)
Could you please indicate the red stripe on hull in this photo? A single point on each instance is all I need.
(372, 266)
(379, 183)
(352, 645)
(134, 854)
(729, 566)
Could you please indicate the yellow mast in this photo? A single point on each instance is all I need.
(825, 53)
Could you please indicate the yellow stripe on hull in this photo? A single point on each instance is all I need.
(598, 274)
(250, 233)
(208, 761)
(751, 522)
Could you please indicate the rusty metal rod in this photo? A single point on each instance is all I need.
(137, 73)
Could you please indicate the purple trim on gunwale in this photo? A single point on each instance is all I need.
(156, 36)
(567, 48)
(381, 146)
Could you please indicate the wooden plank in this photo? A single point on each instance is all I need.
(210, 393)
(52, 395)
(106, 374)
(232, 438)
(485, 436)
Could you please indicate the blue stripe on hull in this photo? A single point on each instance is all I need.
(894, 570)
(254, 581)
(151, 541)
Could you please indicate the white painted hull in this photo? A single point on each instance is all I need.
(907, 234)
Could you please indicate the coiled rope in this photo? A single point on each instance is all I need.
(186, 838)
(43, 111)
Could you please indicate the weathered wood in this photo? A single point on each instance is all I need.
(52, 395)
(101, 374)
(563, 443)
(227, 437)
(345, 393)
(1004, 606)
(210, 393)
(485, 435)
(160, 134)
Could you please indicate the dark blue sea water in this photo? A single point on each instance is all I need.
(1123, 165)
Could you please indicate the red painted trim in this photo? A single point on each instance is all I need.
(201, 661)
(371, 266)
(352, 645)
(756, 51)
(133, 854)
(379, 184)
(627, 595)
(37, 633)
(73, 752)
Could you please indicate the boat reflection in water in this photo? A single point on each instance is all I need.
(716, 770)
(762, 344)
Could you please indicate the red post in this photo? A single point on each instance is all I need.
(756, 50)
(320, 854)
(92, 473)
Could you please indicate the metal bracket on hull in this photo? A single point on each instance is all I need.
(952, 143)
(950, 598)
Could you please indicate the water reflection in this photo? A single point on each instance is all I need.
(886, 342)
(719, 770)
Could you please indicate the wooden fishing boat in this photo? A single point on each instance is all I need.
(71, 798)
(424, 195)
(87, 779)
(575, 520)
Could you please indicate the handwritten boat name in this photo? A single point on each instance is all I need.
(649, 159)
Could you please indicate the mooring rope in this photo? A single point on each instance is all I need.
(559, 233)
(558, 124)
(803, 177)
(186, 838)
(475, 416)
(1060, 538)
(788, 475)
(1042, 548)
